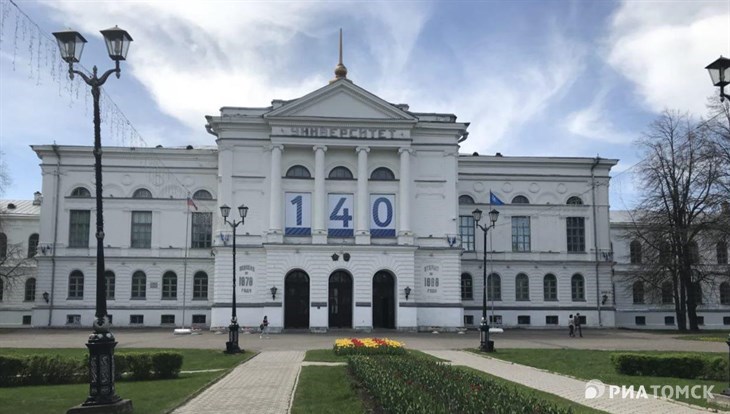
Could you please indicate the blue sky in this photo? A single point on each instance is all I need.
(540, 78)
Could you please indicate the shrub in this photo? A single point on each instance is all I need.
(167, 364)
(715, 368)
(11, 367)
(670, 365)
(139, 364)
(54, 369)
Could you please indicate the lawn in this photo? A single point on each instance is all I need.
(326, 389)
(149, 397)
(590, 364)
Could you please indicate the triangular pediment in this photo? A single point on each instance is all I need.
(341, 99)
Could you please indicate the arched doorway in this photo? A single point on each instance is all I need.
(383, 300)
(340, 300)
(296, 300)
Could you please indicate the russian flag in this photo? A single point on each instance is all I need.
(493, 199)
(191, 204)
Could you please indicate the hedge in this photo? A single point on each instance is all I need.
(55, 369)
(690, 366)
(410, 384)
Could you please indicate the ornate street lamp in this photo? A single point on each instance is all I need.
(485, 345)
(101, 342)
(232, 344)
(720, 75)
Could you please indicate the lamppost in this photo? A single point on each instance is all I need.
(720, 75)
(102, 342)
(485, 345)
(232, 344)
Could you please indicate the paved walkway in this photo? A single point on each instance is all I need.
(569, 388)
(262, 385)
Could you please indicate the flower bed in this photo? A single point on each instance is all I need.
(408, 384)
(367, 346)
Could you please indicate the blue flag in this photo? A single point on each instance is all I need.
(493, 199)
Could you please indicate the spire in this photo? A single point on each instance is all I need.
(340, 69)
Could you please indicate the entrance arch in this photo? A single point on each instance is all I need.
(340, 300)
(296, 300)
(383, 300)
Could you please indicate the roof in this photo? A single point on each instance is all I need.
(19, 207)
(620, 216)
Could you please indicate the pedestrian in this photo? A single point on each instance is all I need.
(571, 327)
(263, 327)
(577, 325)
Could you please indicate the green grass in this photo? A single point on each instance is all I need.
(721, 336)
(590, 364)
(326, 389)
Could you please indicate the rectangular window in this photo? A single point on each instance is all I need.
(136, 319)
(520, 234)
(141, 229)
(495, 319)
(700, 320)
(726, 320)
(26, 319)
(640, 320)
(551, 320)
(669, 320)
(466, 232)
(576, 232)
(199, 319)
(523, 320)
(73, 319)
(202, 227)
(468, 319)
(78, 228)
(582, 319)
(167, 320)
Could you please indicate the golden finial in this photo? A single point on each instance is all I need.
(340, 69)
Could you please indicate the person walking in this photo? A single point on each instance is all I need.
(576, 321)
(263, 326)
(571, 327)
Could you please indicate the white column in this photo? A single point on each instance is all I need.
(275, 191)
(404, 197)
(362, 233)
(319, 202)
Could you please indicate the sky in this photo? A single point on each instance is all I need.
(534, 78)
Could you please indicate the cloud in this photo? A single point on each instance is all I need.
(595, 122)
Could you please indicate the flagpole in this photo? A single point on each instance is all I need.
(185, 262)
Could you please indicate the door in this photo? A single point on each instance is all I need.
(383, 300)
(296, 300)
(340, 300)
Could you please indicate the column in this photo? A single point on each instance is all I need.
(319, 202)
(404, 198)
(275, 229)
(362, 233)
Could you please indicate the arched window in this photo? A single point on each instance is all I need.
(76, 285)
(578, 288)
(142, 193)
(33, 245)
(522, 287)
(574, 201)
(550, 287)
(202, 195)
(382, 174)
(139, 285)
(111, 281)
(721, 252)
(667, 293)
(725, 293)
(664, 253)
(520, 199)
(494, 287)
(637, 291)
(30, 290)
(694, 252)
(340, 173)
(298, 171)
(200, 285)
(169, 285)
(635, 252)
(80, 192)
(3, 245)
(465, 199)
(697, 291)
(467, 291)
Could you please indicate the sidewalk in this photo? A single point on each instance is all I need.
(569, 388)
(264, 384)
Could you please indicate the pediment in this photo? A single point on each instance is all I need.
(341, 99)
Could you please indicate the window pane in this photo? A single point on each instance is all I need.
(466, 232)
(577, 288)
(520, 234)
(467, 291)
(141, 229)
(202, 228)
(30, 290)
(76, 285)
(200, 286)
(576, 234)
(139, 285)
(169, 286)
(522, 287)
(550, 287)
(78, 232)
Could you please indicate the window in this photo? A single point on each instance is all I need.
(721, 252)
(199, 319)
(694, 253)
(520, 234)
(298, 171)
(466, 232)
(340, 173)
(523, 319)
(468, 319)
(495, 319)
(202, 228)
(551, 320)
(576, 233)
(465, 199)
(382, 174)
(520, 199)
(3, 245)
(697, 290)
(494, 287)
(167, 319)
(142, 193)
(80, 192)
(550, 287)
(669, 320)
(664, 253)
(142, 229)
(700, 320)
(30, 290)
(169, 285)
(640, 320)
(635, 252)
(582, 319)
(139, 285)
(73, 319)
(578, 288)
(726, 320)
(522, 287)
(76, 285)
(637, 291)
(33, 245)
(136, 319)
(110, 284)
(467, 292)
(200, 285)
(26, 319)
(725, 293)
(575, 201)
(2, 289)
(668, 293)
(202, 195)
(78, 231)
